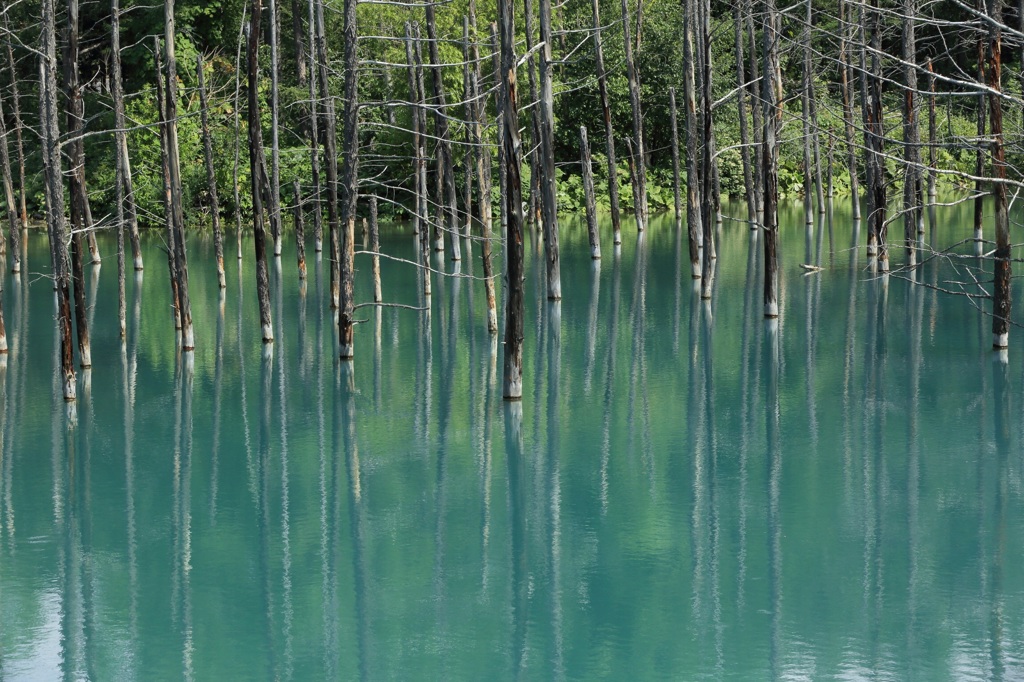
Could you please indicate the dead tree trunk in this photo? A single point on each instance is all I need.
(1001, 276)
(874, 135)
(256, 171)
(588, 192)
(378, 295)
(300, 231)
(483, 177)
(299, 37)
(756, 113)
(693, 211)
(14, 232)
(512, 383)
(330, 148)
(739, 11)
(275, 148)
(445, 160)
(609, 131)
(234, 172)
(979, 157)
(710, 204)
(75, 123)
(180, 259)
(805, 107)
(56, 224)
(467, 161)
(771, 94)
(933, 152)
(675, 159)
(18, 125)
(423, 207)
(211, 177)
(350, 177)
(500, 123)
(533, 215)
(314, 134)
(165, 167)
(912, 199)
(121, 138)
(846, 84)
(548, 192)
(638, 123)
(414, 99)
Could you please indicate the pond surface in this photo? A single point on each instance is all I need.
(685, 492)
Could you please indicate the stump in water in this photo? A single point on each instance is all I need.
(375, 248)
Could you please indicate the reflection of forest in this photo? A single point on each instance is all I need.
(685, 489)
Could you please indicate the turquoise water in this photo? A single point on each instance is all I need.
(684, 492)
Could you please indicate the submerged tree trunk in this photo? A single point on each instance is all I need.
(512, 383)
(378, 295)
(533, 216)
(14, 232)
(638, 123)
(483, 176)
(75, 124)
(979, 157)
(256, 170)
(56, 225)
(771, 93)
(211, 177)
(588, 192)
(805, 107)
(300, 231)
(445, 160)
(330, 148)
(275, 148)
(165, 167)
(741, 112)
(1001, 276)
(180, 259)
(677, 200)
(912, 199)
(314, 134)
(933, 152)
(18, 125)
(845, 79)
(694, 224)
(609, 131)
(350, 177)
(874, 134)
(548, 192)
(127, 203)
